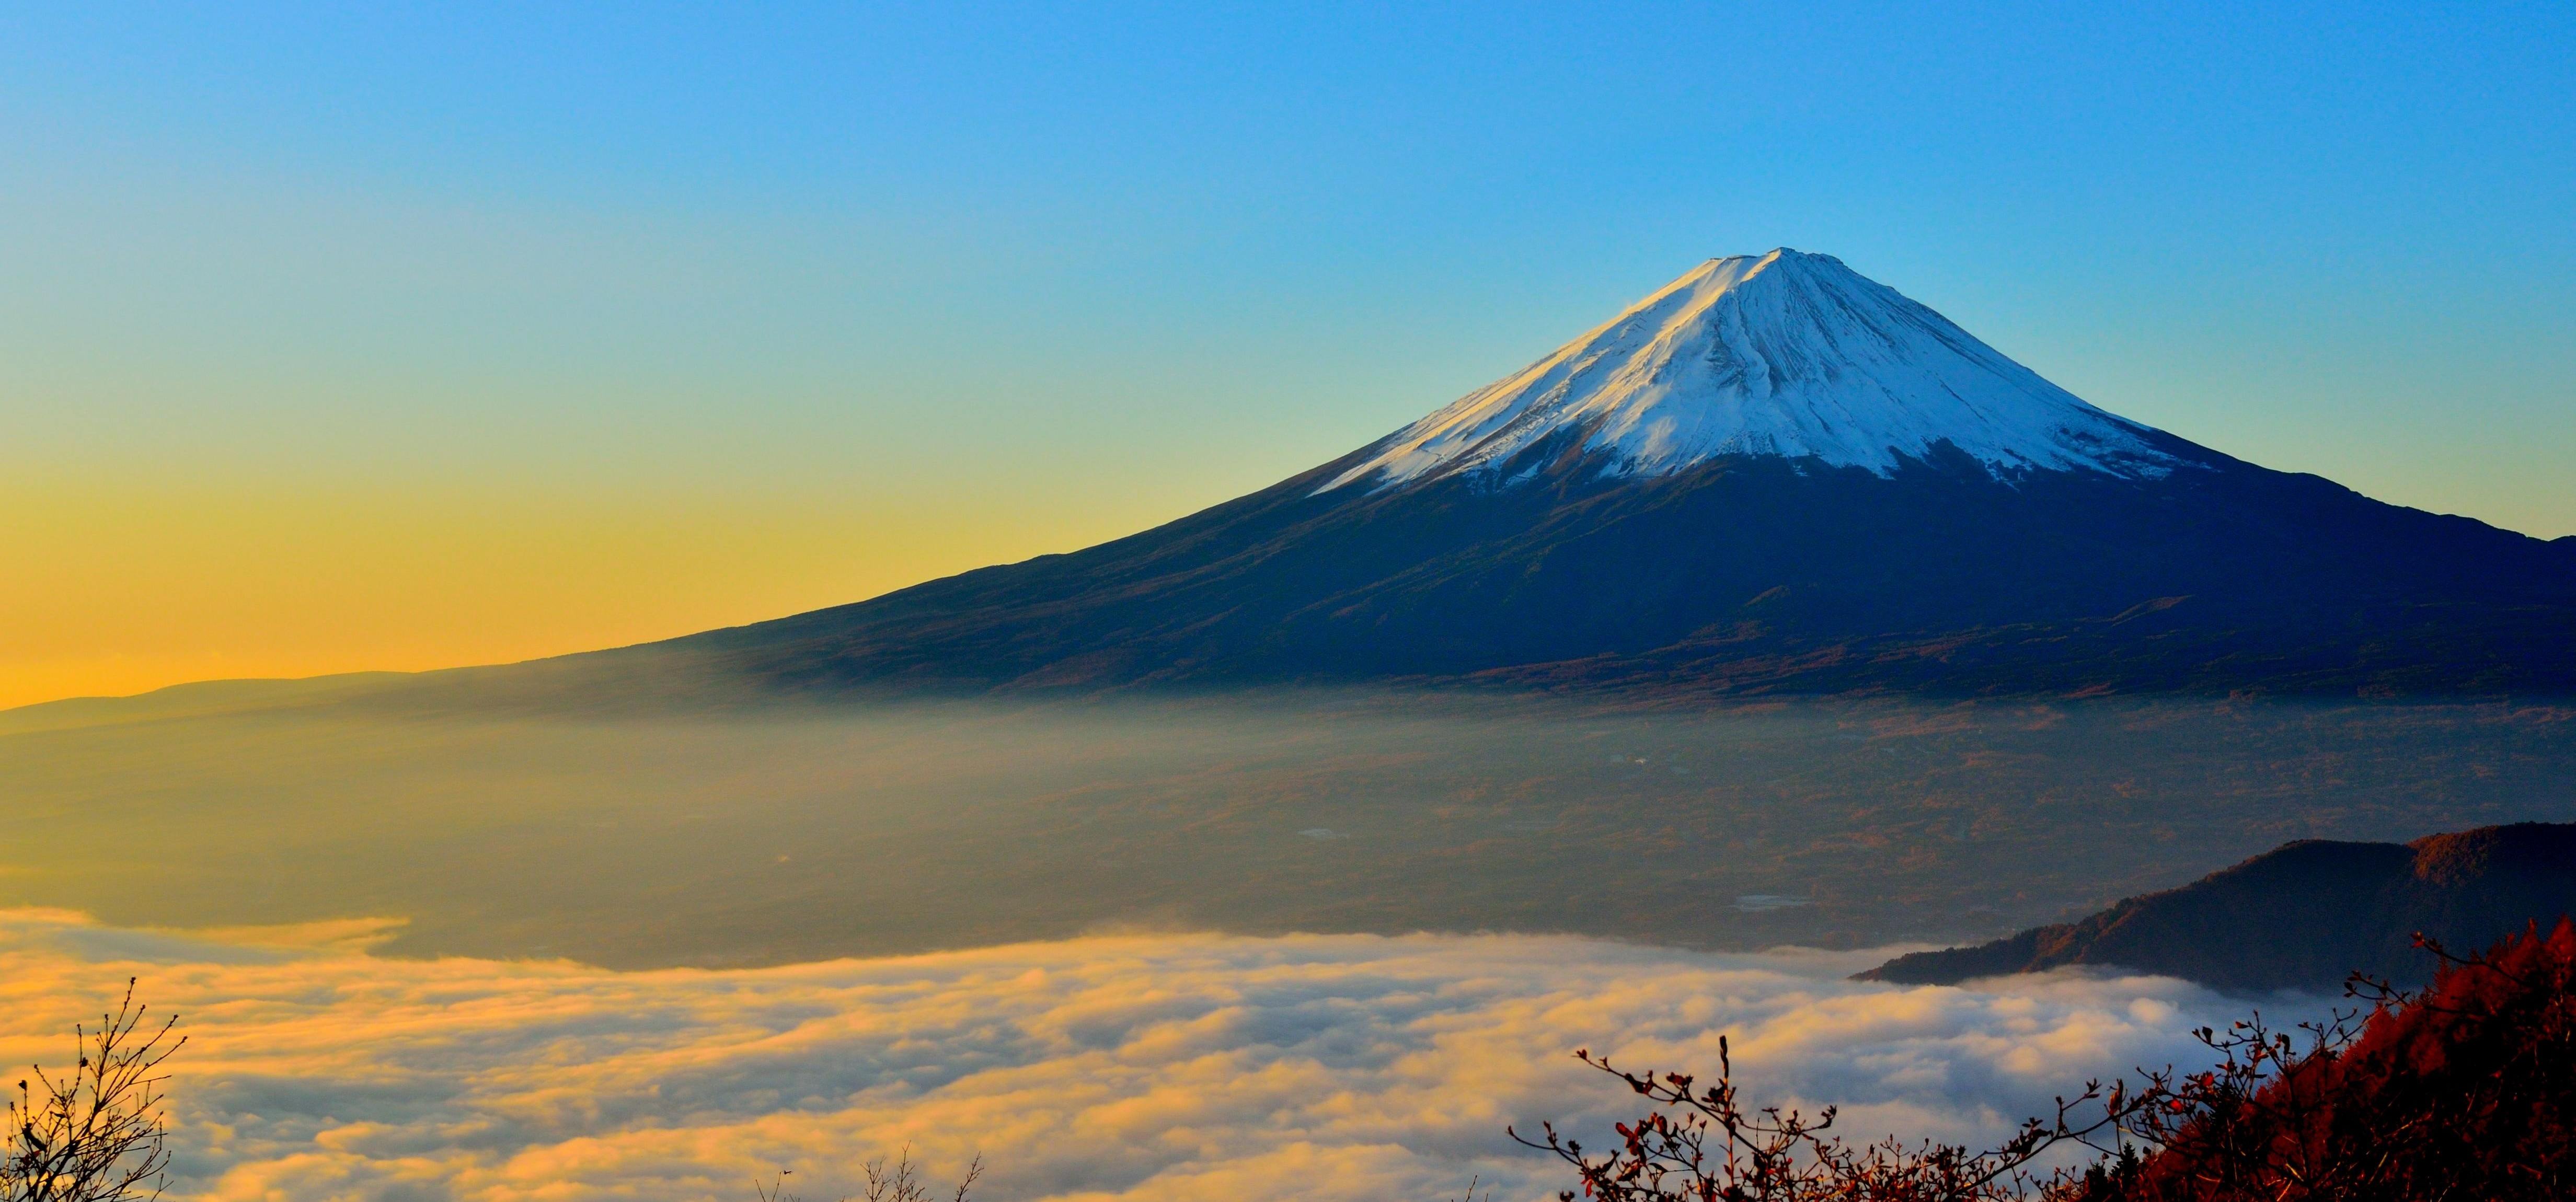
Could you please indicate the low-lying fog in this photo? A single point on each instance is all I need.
(790, 833)
(1137, 1068)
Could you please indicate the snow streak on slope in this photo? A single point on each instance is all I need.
(1784, 354)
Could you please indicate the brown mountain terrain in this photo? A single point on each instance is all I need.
(2305, 914)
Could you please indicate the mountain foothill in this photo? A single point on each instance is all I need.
(2301, 916)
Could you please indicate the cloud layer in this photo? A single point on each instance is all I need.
(1144, 1067)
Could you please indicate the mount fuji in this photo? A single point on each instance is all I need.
(1788, 355)
(1772, 474)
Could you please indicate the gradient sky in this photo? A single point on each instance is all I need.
(448, 334)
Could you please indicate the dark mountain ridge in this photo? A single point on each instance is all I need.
(1744, 573)
(2304, 915)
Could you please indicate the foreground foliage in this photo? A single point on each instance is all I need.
(900, 1183)
(2467, 1091)
(2464, 1091)
(95, 1134)
(1700, 1143)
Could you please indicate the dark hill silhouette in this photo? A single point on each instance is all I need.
(2305, 914)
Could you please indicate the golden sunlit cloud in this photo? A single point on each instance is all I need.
(1114, 1067)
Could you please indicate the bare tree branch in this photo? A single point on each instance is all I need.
(96, 1134)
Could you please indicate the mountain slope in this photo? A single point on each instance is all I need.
(1785, 354)
(1771, 474)
(2303, 915)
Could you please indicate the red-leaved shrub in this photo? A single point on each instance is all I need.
(2465, 1091)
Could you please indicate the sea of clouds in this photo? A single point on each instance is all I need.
(1148, 1066)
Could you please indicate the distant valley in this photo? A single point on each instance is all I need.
(772, 832)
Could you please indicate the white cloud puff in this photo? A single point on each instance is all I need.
(1143, 1067)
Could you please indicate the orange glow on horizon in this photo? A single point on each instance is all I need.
(115, 592)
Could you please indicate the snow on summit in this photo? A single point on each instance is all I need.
(1785, 354)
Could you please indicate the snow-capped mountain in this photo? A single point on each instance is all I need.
(1784, 354)
(1770, 474)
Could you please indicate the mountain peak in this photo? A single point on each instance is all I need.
(1788, 354)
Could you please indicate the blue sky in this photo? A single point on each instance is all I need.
(1018, 278)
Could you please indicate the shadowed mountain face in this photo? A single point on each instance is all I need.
(2304, 915)
(1742, 573)
(1772, 474)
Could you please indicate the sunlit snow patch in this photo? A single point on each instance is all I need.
(1785, 354)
